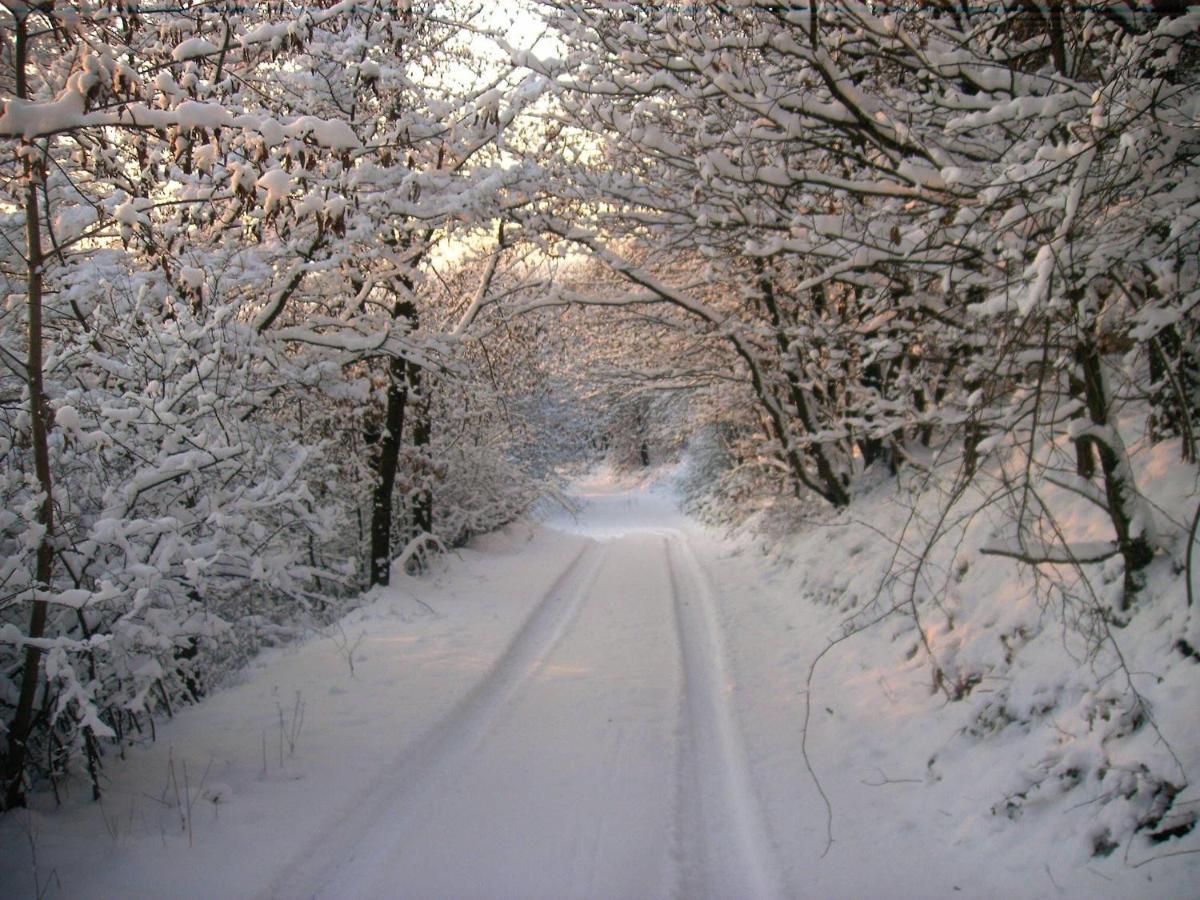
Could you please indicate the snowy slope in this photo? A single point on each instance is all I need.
(612, 704)
(1028, 767)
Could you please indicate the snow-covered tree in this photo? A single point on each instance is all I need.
(925, 223)
(219, 222)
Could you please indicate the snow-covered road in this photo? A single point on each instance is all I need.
(596, 757)
(609, 704)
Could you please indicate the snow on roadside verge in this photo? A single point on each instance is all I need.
(266, 765)
(1035, 780)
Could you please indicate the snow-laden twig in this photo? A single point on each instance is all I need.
(417, 546)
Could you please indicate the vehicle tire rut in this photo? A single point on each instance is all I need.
(724, 847)
(374, 823)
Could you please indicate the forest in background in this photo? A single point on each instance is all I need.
(293, 291)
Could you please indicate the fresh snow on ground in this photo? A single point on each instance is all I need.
(607, 703)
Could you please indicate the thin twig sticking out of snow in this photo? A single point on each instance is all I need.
(1191, 554)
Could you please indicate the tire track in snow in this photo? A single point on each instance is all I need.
(724, 848)
(375, 823)
(571, 793)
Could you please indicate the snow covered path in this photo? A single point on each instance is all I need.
(608, 705)
(597, 756)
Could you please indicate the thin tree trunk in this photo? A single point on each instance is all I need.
(19, 728)
(422, 432)
(385, 472)
(872, 448)
(1085, 456)
(1119, 489)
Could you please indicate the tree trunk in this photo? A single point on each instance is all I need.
(1119, 488)
(871, 448)
(385, 472)
(19, 728)
(1085, 456)
(422, 431)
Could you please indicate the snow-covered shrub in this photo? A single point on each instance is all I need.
(477, 491)
(185, 516)
(706, 459)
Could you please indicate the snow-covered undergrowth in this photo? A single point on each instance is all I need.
(964, 698)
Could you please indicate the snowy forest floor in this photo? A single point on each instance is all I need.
(605, 703)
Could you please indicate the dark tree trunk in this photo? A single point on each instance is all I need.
(872, 448)
(19, 728)
(387, 462)
(421, 507)
(1119, 489)
(1085, 456)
